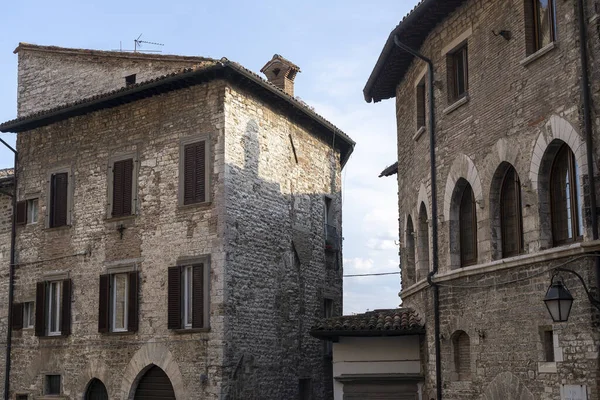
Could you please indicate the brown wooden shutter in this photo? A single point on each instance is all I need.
(65, 325)
(59, 200)
(200, 190)
(17, 316)
(194, 173)
(450, 78)
(40, 309)
(132, 303)
(122, 188)
(198, 291)
(21, 214)
(420, 105)
(174, 298)
(103, 304)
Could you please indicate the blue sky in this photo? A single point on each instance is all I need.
(335, 43)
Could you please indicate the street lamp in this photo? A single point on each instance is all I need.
(559, 300)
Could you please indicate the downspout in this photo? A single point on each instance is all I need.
(434, 218)
(587, 126)
(11, 275)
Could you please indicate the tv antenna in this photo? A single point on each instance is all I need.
(137, 44)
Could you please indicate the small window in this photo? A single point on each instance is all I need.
(328, 313)
(122, 188)
(52, 385)
(188, 297)
(421, 105)
(462, 355)
(28, 314)
(130, 80)
(32, 211)
(468, 227)
(410, 251)
(119, 294)
(195, 177)
(549, 346)
(59, 200)
(305, 389)
(511, 220)
(565, 196)
(54, 302)
(458, 74)
(22, 397)
(53, 308)
(540, 24)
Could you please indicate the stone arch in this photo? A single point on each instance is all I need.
(506, 386)
(423, 198)
(423, 242)
(96, 369)
(149, 355)
(461, 356)
(462, 167)
(408, 256)
(556, 128)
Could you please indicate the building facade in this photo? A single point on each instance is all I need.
(514, 192)
(187, 229)
(6, 193)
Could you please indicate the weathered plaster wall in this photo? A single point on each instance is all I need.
(514, 111)
(275, 208)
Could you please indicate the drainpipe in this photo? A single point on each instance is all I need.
(587, 126)
(434, 217)
(11, 275)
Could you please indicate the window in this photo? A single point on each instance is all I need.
(423, 243)
(328, 313)
(511, 221)
(468, 227)
(122, 199)
(194, 177)
(565, 198)
(462, 355)
(548, 341)
(118, 303)
(53, 311)
(130, 80)
(540, 24)
(458, 74)
(27, 212)
(188, 296)
(58, 209)
(22, 397)
(304, 389)
(28, 314)
(52, 385)
(421, 104)
(410, 251)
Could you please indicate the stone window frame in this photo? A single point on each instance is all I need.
(456, 375)
(208, 163)
(545, 366)
(457, 44)
(420, 101)
(110, 183)
(204, 259)
(68, 169)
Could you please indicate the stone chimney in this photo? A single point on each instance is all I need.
(281, 73)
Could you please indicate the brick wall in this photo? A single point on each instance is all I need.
(513, 112)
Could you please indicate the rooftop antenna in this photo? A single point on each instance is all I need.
(137, 43)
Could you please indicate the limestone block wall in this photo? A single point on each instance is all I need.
(52, 76)
(514, 111)
(5, 229)
(152, 241)
(276, 267)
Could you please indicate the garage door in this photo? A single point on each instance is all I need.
(155, 384)
(380, 391)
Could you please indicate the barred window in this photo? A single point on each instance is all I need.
(511, 220)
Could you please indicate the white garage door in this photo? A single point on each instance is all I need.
(372, 390)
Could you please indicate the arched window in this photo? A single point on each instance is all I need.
(467, 225)
(410, 251)
(96, 390)
(462, 355)
(511, 220)
(423, 243)
(565, 198)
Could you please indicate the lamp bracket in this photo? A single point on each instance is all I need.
(595, 302)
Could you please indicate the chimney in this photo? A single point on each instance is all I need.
(281, 73)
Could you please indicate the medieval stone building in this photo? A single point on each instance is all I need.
(178, 229)
(516, 151)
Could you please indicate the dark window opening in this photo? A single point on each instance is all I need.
(462, 356)
(511, 220)
(548, 346)
(458, 74)
(59, 184)
(565, 198)
(468, 227)
(130, 80)
(540, 24)
(22, 397)
(421, 105)
(52, 384)
(305, 389)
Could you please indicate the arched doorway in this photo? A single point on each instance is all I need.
(96, 390)
(155, 384)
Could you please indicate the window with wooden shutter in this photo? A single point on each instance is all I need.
(198, 296)
(40, 309)
(122, 194)
(133, 302)
(65, 326)
(103, 304)
(17, 316)
(468, 227)
(511, 221)
(194, 173)
(21, 214)
(59, 185)
(174, 298)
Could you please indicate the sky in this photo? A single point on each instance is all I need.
(336, 44)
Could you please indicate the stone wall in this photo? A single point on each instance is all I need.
(51, 76)
(5, 230)
(153, 240)
(514, 111)
(277, 270)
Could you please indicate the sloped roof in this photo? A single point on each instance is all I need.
(389, 171)
(393, 62)
(203, 72)
(392, 322)
(7, 176)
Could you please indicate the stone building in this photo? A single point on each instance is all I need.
(187, 229)
(516, 152)
(6, 193)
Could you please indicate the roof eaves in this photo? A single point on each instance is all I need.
(365, 333)
(389, 171)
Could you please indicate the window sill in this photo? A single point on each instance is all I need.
(417, 135)
(119, 333)
(457, 104)
(58, 228)
(522, 260)
(118, 219)
(538, 54)
(547, 367)
(185, 207)
(191, 330)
